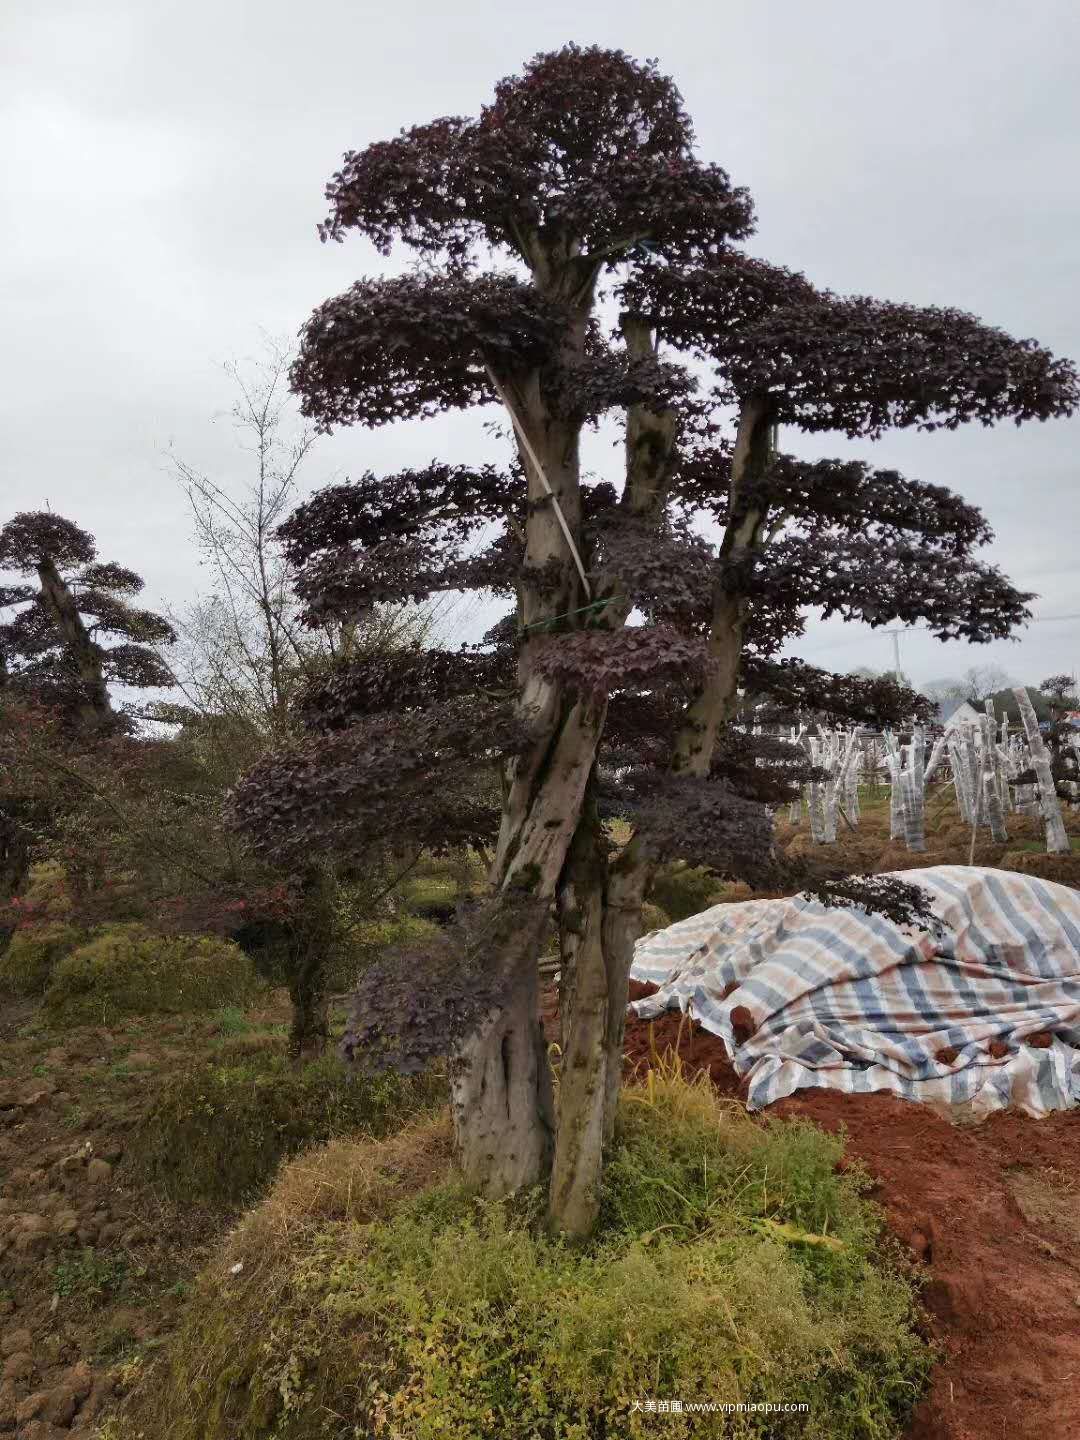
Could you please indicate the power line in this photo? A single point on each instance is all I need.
(872, 634)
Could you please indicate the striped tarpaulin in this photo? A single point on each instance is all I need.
(848, 1000)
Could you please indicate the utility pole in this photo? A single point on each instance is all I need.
(903, 630)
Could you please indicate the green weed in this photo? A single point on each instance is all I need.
(231, 1020)
(88, 1276)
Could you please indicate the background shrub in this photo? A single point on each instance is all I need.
(372, 937)
(128, 970)
(733, 1263)
(269, 945)
(27, 964)
(218, 1131)
(653, 918)
(682, 891)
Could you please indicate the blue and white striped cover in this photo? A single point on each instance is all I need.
(848, 1000)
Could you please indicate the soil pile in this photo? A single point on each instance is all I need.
(697, 1048)
(989, 1213)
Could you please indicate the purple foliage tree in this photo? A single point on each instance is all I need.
(622, 290)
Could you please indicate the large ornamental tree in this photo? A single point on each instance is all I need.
(578, 261)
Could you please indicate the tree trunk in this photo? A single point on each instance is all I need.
(312, 938)
(600, 922)
(994, 810)
(913, 792)
(95, 711)
(500, 1085)
(538, 827)
(500, 1079)
(14, 869)
(602, 953)
(812, 791)
(309, 1030)
(584, 996)
(628, 883)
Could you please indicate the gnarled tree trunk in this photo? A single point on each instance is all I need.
(500, 1077)
(506, 1055)
(500, 1081)
(599, 921)
(600, 904)
(584, 1000)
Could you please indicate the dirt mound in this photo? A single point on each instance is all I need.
(699, 1050)
(1003, 1272)
(989, 1212)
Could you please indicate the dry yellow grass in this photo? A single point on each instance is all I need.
(351, 1179)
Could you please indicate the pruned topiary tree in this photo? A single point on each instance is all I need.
(622, 290)
(63, 639)
(75, 631)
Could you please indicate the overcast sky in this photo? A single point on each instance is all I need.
(162, 177)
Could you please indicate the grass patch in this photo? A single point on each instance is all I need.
(128, 970)
(231, 1020)
(435, 888)
(371, 938)
(217, 1132)
(372, 1294)
(1048, 1198)
(115, 1342)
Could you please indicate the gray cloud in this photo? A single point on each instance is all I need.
(164, 170)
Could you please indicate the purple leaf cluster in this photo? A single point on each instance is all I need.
(586, 146)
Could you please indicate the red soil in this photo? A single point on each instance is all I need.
(990, 1212)
(699, 1050)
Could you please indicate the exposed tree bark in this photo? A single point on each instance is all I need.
(584, 993)
(600, 911)
(706, 716)
(500, 1081)
(600, 904)
(501, 1085)
(628, 881)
